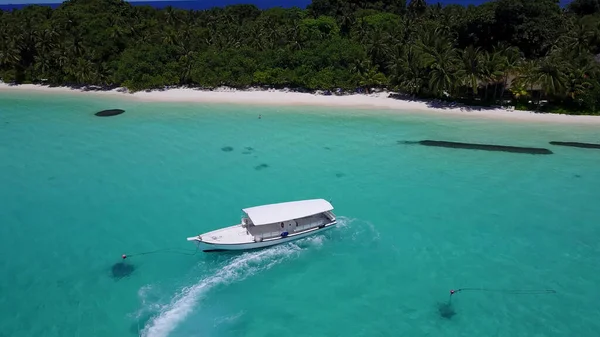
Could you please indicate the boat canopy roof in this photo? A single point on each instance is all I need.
(268, 214)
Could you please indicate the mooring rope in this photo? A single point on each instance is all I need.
(164, 250)
(508, 291)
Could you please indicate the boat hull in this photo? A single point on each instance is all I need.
(219, 247)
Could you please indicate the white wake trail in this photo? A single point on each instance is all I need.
(235, 270)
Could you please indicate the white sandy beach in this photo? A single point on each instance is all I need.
(282, 98)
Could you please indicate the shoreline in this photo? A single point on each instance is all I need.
(273, 97)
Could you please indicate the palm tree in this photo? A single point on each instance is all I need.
(43, 64)
(522, 85)
(580, 36)
(361, 67)
(372, 78)
(578, 82)
(510, 62)
(346, 19)
(10, 50)
(471, 73)
(117, 27)
(527, 73)
(81, 70)
(293, 36)
(492, 71)
(186, 60)
(442, 61)
(171, 16)
(550, 74)
(377, 44)
(417, 7)
(407, 69)
(519, 90)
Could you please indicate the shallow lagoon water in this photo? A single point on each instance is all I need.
(78, 191)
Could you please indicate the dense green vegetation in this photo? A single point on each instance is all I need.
(525, 51)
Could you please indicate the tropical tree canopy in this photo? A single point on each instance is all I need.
(529, 53)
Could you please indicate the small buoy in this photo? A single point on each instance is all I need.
(452, 291)
(124, 256)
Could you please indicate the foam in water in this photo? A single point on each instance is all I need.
(149, 302)
(343, 221)
(235, 270)
(227, 319)
(358, 233)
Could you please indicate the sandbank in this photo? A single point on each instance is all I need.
(381, 100)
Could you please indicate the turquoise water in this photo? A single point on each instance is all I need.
(78, 191)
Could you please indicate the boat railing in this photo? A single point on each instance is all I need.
(268, 235)
(300, 228)
(308, 226)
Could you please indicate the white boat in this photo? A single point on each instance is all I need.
(269, 225)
